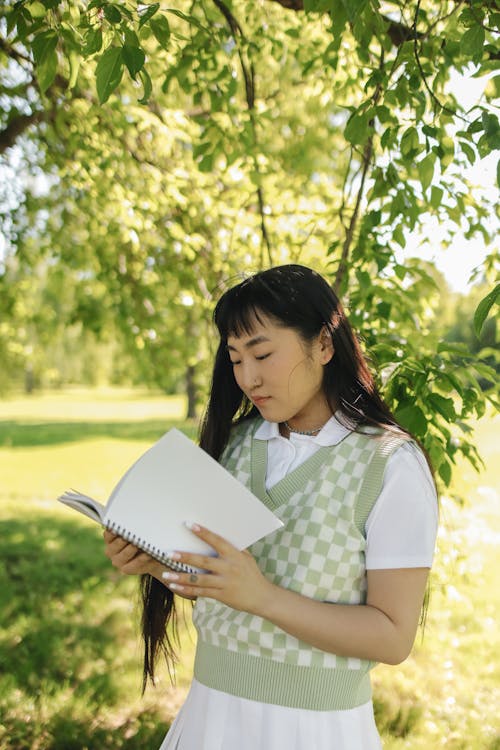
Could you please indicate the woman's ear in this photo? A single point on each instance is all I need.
(326, 348)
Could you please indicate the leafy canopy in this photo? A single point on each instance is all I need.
(186, 144)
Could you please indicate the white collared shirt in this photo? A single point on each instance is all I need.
(402, 526)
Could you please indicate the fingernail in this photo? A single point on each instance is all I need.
(175, 587)
(173, 555)
(168, 576)
(192, 526)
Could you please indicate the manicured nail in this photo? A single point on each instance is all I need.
(192, 526)
(168, 576)
(175, 587)
(173, 555)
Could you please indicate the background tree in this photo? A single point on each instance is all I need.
(185, 144)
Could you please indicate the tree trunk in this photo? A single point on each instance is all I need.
(191, 392)
(29, 379)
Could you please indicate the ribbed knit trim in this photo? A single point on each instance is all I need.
(282, 684)
(374, 477)
(281, 492)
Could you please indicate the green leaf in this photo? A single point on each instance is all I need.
(36, 9)
(490, 123)
(472, 42)
(161, 29)
(398, 236)
(206, 163)
(413, 418)
(112, 14)
(134, 59)
(455, 382)
(12, 18)
(400, 271)
(498, 173)
(191, 20)
(409, 142)
(42, 44)
(430, 130)
(317, 6)
(44, 53)
(492, 88)
(109, 73)
(149, 13)
(339, 19)
(74, 67)
(353, 8)
(444, 471)
(425, 169)
(484, 308)
(199, 149)
(388, 137)
(357, 128)
(383, 114)
(443, 406)
(147, 84)
(468, 151)
(384, 310)
(131, 37)
(47, 70)
(436, 196)
(93, 42)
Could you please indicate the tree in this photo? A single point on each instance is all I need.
(325, 136)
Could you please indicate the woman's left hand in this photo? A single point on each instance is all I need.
(233, 578)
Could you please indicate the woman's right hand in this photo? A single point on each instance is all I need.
(130, 560)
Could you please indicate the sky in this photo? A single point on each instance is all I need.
(459, 260)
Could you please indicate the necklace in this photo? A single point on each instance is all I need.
(304, 432)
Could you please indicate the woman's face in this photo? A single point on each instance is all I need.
(282, 375)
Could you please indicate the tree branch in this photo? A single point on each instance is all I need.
(396, 31)
(344, 258)
(14, 53)
(367, 157)
(16, 127)
(249, 77)
(431, 93)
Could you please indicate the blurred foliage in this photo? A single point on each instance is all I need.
(162, 152)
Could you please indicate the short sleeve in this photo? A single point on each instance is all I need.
(402, 526)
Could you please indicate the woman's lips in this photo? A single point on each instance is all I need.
(259, 400)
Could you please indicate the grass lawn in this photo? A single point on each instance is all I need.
(69, 648)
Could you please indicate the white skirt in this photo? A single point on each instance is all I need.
(213, 720)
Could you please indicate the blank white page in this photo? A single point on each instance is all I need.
(176, 481)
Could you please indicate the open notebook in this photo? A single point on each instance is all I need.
(173, 482)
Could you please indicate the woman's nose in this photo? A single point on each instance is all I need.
(251, 378)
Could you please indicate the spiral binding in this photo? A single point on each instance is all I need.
(150, 549)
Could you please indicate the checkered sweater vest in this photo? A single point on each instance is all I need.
(319, 552)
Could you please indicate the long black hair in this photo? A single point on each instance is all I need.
(295, 297)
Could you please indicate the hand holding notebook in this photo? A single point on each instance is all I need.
(173, 482)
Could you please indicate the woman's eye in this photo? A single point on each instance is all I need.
(264, 356)
(234, 363)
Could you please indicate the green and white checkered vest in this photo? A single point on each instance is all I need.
(319, 552)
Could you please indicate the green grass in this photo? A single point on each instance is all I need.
(447, 694)
(70, 659)
(69, 647)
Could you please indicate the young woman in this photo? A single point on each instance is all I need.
(289, 629)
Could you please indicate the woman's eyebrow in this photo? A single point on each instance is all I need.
(252, 342)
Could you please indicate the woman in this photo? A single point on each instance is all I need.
(289, 629)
